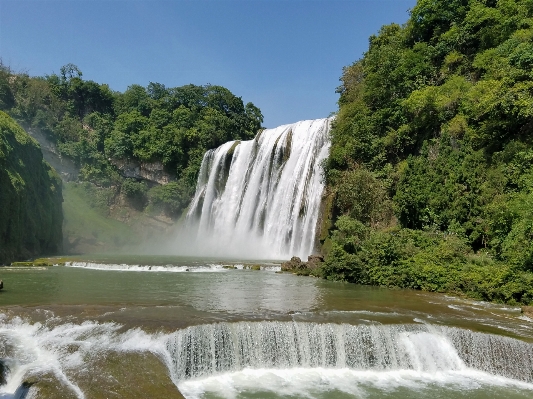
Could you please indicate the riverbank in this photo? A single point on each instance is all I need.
(394, 262)
(107, 332)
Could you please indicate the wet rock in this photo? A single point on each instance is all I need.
(528, 311)
(3, 373)
(1, 284)
(294, 264)
(314, 261)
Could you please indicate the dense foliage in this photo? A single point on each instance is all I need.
(95, 126)
(30, 197)
(430, 172)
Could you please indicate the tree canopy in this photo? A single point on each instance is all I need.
(94, 125)
(438, 116)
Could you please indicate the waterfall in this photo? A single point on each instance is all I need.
(340, 353)
(261, 198)
(206, 350)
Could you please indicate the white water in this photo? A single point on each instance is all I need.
(262, 200)
(228, 347)
(123, 267)
(279, 357)
(328, 383)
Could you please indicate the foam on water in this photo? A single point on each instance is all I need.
(62, 349)
(123, 267)
(146, 268)
(321, 382)
(283, 358)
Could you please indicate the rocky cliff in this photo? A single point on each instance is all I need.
(30, 197)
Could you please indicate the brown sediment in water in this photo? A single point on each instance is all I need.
(128, 375)
(152, 319)
(112, 375)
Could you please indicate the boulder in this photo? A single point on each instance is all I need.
(314, 261)
(294, 264)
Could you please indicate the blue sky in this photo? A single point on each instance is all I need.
(285, 56)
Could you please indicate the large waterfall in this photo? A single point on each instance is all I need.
(261, 198)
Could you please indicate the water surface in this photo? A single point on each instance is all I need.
(62, 320)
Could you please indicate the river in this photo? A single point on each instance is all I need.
(162, 327)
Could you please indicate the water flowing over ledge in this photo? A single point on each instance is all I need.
(194, 356)
(261, 198)
(168, 268)
(207, 350)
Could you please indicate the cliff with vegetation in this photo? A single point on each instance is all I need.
(137, 152)
(430, 177)
(30, 197)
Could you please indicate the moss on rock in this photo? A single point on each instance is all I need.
(30, 197)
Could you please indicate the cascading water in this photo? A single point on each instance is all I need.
(261, 198)
(340, 356)
(228, 347)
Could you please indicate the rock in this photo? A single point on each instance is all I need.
(294, 264)
(314, 261)
(3, 373)
(151, 171)
(1, 284)
(528, 311)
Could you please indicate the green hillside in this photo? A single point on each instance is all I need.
(153, 125)
(430, 177)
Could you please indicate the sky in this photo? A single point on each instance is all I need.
(285, 56)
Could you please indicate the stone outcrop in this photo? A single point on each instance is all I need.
(31, 197)
(3, 373)
(151, 171)
(296, 264)
(66, 168)
(314, 261)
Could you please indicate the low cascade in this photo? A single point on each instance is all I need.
(261, 198)
(431, 353)
(206, 350)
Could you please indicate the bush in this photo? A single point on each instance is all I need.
(135, 192)
(361, 196)
(171, 198)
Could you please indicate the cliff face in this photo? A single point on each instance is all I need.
(31, 213)
(153, 172)
(65, 167)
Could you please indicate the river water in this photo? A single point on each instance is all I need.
(126, 327)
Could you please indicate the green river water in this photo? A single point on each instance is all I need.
(156, 327)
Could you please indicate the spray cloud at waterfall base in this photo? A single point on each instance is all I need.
(259, 199)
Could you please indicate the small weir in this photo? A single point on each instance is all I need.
(205, 350)
(243, 351)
